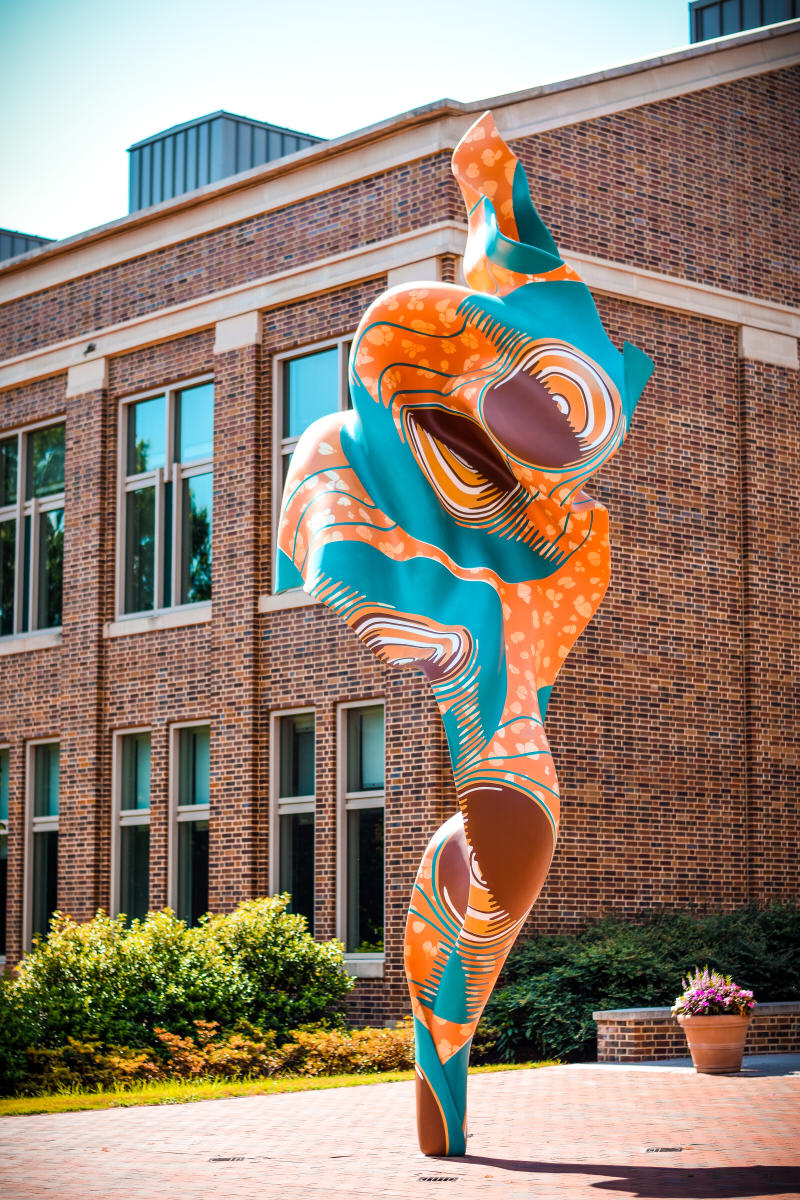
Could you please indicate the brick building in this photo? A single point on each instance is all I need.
(173, 732)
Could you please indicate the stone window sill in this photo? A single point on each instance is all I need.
(364, 966)
(293, 599)
(173, 618)
(21, 643)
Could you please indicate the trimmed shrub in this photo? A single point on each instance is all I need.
(247, 1053)
(104, 983)
(543, 1004)
(338, 1052)
(87, 1066)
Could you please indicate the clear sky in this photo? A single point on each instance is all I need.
(81, 80)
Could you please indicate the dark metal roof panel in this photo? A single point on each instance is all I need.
(719, 18)
(13, 243)
(203, 151)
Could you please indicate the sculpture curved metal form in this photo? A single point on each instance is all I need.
(444, 518)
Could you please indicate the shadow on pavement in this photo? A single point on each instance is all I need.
(662, 1183)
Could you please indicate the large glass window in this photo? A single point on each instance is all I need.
(363, 829)
(167, 501)
(31, 529)
(132, 857)
(294, 734)
(307, 386)
(4, 763)
(44, 783)
(192, 761)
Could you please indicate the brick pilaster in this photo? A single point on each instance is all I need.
(82, 770)
(235, 834)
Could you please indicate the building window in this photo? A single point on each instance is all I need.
(31, 529)
(42, 841)
(293, 790)
(307, 385)
(4, 764)
(191, 762)
(165, 509)
(361, 828)
(130, 874)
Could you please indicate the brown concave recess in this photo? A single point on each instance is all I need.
(525, 418)
(465, 438)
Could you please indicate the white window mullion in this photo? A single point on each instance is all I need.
(19, 555)
(177, 526)
(33, 605)
(158, 571)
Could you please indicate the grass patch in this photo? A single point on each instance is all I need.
(178, 1091)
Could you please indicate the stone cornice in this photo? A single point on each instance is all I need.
(431, 129)
(380, 259)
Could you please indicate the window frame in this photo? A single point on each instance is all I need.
(284, 806)
(33, 508)
(283, 446)
(173, 473)
(346, 802)
(4, 825)
(180, 813)
(34, 825)
(123, 817)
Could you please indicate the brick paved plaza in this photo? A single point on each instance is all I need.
(585, 1130)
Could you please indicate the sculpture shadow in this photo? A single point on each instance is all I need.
(665, 1183)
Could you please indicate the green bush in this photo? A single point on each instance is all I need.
(246, 1053)
(353, 1052)
(105, 983)
(542, 1006)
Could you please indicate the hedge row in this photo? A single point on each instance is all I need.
(542, 1006)
(104, 983)
(100, 1002)
(247, 1054)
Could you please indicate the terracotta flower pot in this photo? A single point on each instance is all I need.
(716, 1044)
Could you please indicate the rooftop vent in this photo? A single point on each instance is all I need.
(718, 18)
(13, 243)
(203, 151)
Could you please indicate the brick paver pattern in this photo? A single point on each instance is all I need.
(568, 1132)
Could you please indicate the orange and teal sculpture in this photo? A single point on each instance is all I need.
(445, 519)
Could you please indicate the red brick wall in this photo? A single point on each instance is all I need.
(775, 1029)
(674, 722)
(30, 684)
(771, 516)
(701, 186)
(368, 210)
(646, 718)
(310, 658)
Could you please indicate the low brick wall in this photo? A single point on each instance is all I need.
(645, 1034)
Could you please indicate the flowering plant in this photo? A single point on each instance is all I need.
(709, 994)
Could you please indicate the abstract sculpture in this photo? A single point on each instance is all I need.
(444, 519)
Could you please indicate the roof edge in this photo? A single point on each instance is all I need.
(212, 116)
(420, 116)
